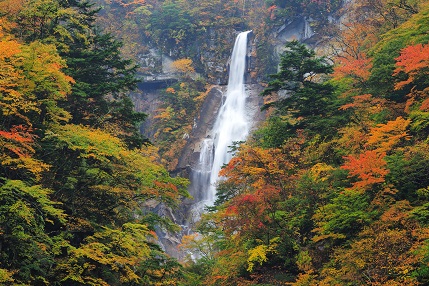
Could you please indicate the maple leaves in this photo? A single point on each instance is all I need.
(369, 167)
(413, 61)
(349, 45)
(72, 193)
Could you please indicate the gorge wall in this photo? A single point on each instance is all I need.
(297, 29)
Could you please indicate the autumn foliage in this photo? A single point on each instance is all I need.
(298, 207)
(72, 190)
(332, 189)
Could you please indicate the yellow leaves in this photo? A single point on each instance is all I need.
(352, 138)
(13, 100)
(6, 276)
(259, 253)
(43, 65)
(328, 236)
(183, 66)
(91, 143)
(31, 79)
(321, 171)
(164, 113)
(118, 250)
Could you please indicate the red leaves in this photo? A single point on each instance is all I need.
(271, 12)
(356, 67)
(18, 140)
(414, 61)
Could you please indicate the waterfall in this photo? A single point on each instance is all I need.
(232, 124)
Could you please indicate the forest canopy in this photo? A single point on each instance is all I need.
(331, 189)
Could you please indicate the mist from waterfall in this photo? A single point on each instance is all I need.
(232, 124)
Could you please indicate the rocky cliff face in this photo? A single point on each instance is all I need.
(216, 66)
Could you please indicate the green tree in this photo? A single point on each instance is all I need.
(172, 27)
(303, 99)
(27, 216)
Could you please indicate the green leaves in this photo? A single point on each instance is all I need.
(108, 257)
(26, 213)
(304, 100)
(345, 216)
(88, 142)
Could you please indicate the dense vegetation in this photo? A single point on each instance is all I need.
(77, 180)
(331, 190)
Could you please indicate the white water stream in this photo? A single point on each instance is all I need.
(233, 124)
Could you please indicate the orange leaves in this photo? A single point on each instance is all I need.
(385, 136)
(369, 167)
(17, 149)
(365, 107)
(271, 11)
(259, 167)
(366, 101)
(414, 61)
(9, 48)
(350, 43)
(170, 90)
(356, 67)
(260, 179)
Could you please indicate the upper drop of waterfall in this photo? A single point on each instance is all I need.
(232, 124)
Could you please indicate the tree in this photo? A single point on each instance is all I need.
(412, 70)
(33, 84)
(93, 59)
(103, 182)
(410, 32)
(172, 27)
(184, 67)
(27, 216)
(385, 253)
(302, 95)
(122, 256)
(413, 61)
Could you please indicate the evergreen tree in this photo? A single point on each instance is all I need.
(304, 99)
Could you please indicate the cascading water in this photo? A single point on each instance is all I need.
(233, 124)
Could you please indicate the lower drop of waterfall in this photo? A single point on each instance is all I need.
(232, 124)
